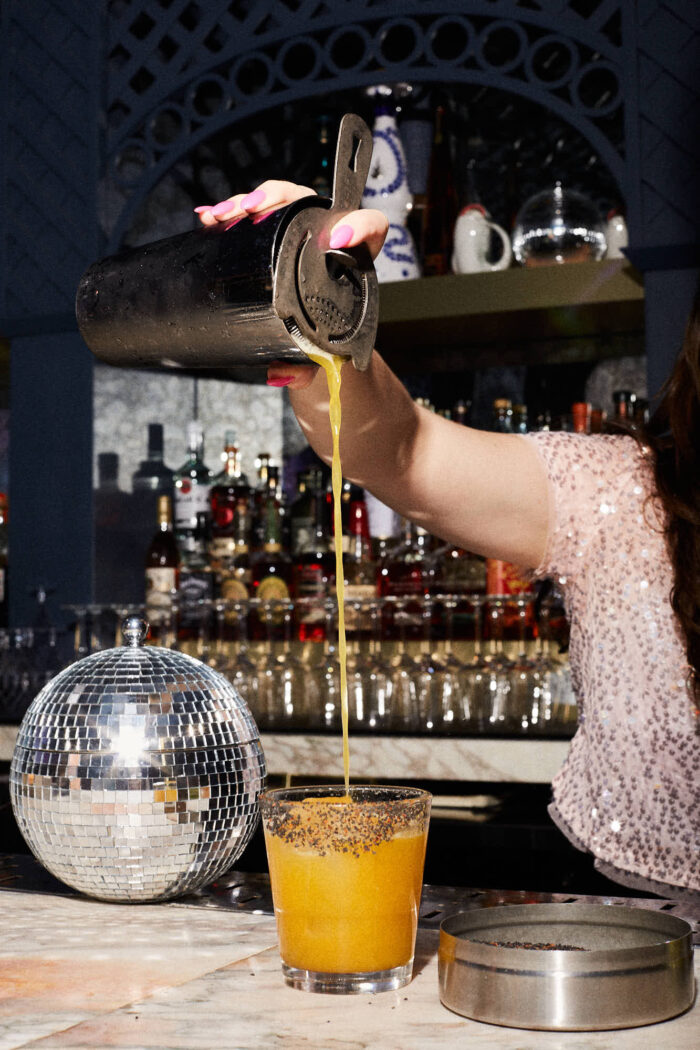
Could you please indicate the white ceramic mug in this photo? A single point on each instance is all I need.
(472, 242)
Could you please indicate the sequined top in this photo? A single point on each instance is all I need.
(629, 790)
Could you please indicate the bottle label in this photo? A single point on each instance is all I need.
(504, 578)
(190, 500)
(160, 591)
(272, 589)
(357, 609)
(233, 589)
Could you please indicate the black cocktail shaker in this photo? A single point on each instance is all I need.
(224, 298)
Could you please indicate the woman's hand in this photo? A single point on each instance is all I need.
(366, 225)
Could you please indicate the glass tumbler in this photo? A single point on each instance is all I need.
(346, 872)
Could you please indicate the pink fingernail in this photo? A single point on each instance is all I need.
(202, 208)
(223, 209)
(280, 381)
(252, 200)
(341, 237)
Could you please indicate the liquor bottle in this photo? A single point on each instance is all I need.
(192, 485)
(196, 582)
(441, 205)
(257, 498)
(641, 413)
(457, 574)
(623, 417)
(121, 537)
(599, 421)
(302, 509)
(153, 475)
(162, 571)
(360, 570)
(581, 417)
(4, 560)
(228, 491)
(271, 575)
(313, 574)
(407, 577)
(232, 568)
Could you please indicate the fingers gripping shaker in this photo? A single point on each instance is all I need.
(243, 293)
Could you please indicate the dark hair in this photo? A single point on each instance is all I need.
(674, 435)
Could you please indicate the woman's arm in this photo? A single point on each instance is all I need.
(486, 492)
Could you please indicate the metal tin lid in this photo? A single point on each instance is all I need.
(171, 701)
(566, 967)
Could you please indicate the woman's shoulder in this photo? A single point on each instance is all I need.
(599, 458)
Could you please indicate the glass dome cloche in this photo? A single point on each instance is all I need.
(558, 226)
(136, 773)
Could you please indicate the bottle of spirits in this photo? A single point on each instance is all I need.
(152, 475)
(196, 583)
(406, 577)
(232, 563)
(441, 204)
(457, 574)
(302, 509)
(228, 491)
(192, 485)
(162, 572)
(581, 417)
(313, 574)
(623, 416)
(360, 572)
(121, 537)
(271, 575)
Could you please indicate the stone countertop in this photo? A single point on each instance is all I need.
(204, 973)
(474, 758)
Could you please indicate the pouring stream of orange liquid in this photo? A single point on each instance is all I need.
(332, 364)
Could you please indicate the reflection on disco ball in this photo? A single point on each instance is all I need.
(558, 226)
(136, 773)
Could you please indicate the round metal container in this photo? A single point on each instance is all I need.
(622, 966)
(136, 773)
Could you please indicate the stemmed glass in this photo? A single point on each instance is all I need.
(379, 684)
(325, 700)
(495, 686)
(474, 677)
(238, 666)
(287, 693)
(404, 701)
(526, 691)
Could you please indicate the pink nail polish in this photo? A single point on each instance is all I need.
(341, 237)
(280, 381)
(202, 208)
(223, 209)
(252, 200)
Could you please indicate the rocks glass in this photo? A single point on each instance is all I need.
(346, 873)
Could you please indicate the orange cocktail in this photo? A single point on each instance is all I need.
(346, 874)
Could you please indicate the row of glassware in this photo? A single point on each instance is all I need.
(423, 684)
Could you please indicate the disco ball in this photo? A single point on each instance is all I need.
(136, 773)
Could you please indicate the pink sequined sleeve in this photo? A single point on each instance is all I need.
(587, 476)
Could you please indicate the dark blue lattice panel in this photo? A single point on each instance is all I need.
(181, 71)
(669, 144)
(48, 153)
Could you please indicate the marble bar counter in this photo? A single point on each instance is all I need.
(475, 758)
(203, 973)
